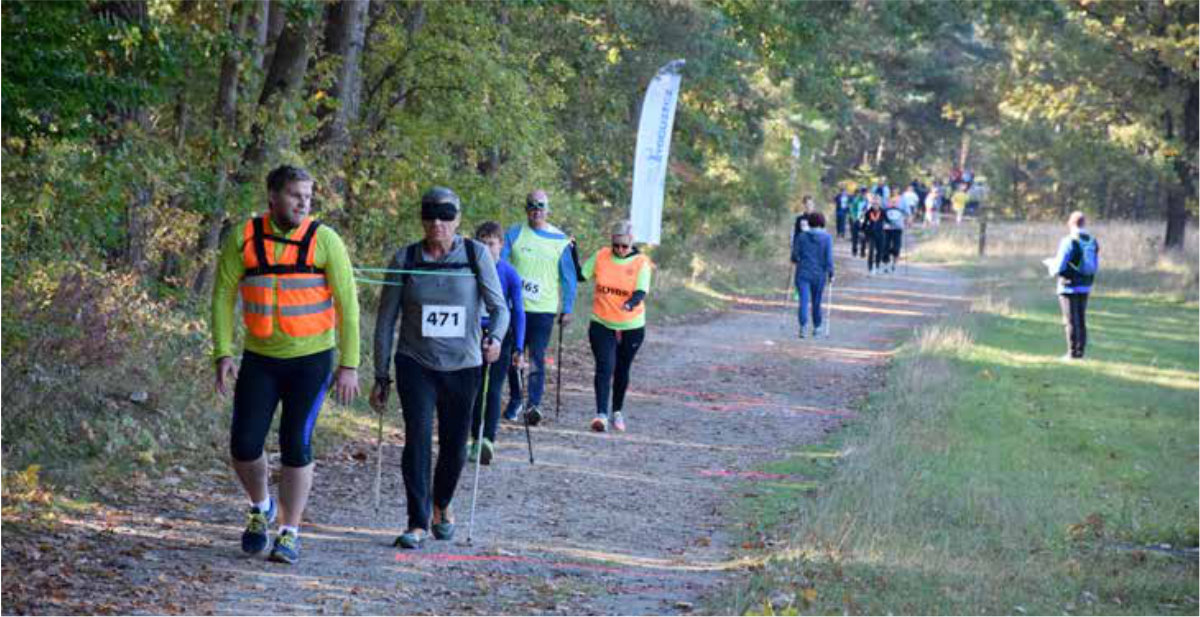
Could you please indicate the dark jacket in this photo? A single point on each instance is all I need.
(812, 252)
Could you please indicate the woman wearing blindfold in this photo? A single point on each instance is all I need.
(621, 276)
(435, 288)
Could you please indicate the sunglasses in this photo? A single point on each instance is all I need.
(534, 205)
(617, 245)
(438, 216)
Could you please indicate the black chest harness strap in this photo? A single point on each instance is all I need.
(260, 251)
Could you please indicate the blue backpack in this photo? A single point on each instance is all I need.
(1084, 260)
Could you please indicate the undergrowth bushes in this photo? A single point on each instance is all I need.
(99, 375)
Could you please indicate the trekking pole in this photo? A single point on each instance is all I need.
(379, 459)
(829, 312)
(788, 293)
(487, 373)
(528, 437)
(558, 359)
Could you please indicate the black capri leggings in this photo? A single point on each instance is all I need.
(614, 351)
(301, 383)
(452, 394)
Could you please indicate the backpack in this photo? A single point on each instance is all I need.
(1085, 259)
(413, 260)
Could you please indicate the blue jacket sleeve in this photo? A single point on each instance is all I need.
(512, 289)
(1064, 255)
(567, 278)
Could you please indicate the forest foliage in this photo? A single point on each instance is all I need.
(134, 132)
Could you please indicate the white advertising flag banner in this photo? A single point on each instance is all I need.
(653, 150)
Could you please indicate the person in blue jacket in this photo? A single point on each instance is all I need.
(812, 252)
(512, 348)
(1075, 266)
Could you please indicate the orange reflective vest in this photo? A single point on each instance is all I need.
(615, 284)
(291, 288)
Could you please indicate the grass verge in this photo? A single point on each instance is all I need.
(988, 477)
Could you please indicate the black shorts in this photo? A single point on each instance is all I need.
(262, 383)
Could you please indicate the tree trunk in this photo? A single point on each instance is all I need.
(964, 150)
(1177, 213)
(1018, 207)
(1103, 194)
(289, 62)
(227, 86)
(276, 18)
(224, 126)
(262, 25)
(345, 28)
(137, 211)
(137, 237)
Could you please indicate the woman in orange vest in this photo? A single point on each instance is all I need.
(622, 280)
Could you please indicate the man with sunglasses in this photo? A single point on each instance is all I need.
(541, 254)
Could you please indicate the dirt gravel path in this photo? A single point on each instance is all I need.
(617, 523)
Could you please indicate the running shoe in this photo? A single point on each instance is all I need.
(486, 452)
(413, 538)
(443, 530)
(513, 411)
(533, 415)
(600, 424)
(473, 452)
(802, 335)
(618, 421)
(286, 549)
(254, 538)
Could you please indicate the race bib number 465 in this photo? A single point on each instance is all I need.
(439, 321)
(531, 290)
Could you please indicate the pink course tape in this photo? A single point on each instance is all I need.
(748, 475)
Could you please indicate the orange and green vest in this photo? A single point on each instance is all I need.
(331, 271)
(289, 288)
(616, 278)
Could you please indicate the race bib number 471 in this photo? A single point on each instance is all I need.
(439, 321)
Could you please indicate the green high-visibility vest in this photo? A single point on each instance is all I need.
(537, 261)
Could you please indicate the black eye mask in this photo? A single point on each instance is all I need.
(441, 211)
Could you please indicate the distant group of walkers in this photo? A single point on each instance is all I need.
(876, 218)
(468, 310)
(961, 195)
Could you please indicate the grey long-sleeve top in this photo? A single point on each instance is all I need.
(439, 312)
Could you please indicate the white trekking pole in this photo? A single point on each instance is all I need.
(378, 460)
(829, 312)
(487, 373)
